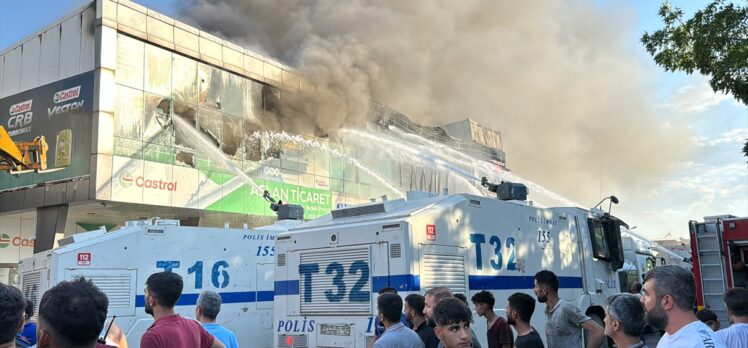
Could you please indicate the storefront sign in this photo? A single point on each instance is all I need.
(60, 111)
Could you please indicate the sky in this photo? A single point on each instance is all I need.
(711, 180)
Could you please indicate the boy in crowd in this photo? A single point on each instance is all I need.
(453, 318)
(709, 318)
(499, 333)
(519, 309)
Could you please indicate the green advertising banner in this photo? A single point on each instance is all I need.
(248, 199)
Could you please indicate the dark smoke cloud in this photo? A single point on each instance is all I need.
(562, 81)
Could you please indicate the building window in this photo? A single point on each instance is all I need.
(157, 70)
(128, 118)
(253, 93)
(184, 79)
(130, 54)
(232, 98)
(210, 86)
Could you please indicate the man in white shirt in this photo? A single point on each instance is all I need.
(668, 296)
(736, 335)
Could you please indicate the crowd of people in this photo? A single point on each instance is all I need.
(664, 302)
(73, 314)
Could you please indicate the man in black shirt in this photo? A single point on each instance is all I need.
(414, 304)
(519, 308)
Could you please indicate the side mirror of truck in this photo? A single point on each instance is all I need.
(612, 228)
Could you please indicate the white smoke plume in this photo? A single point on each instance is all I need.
(562, 81)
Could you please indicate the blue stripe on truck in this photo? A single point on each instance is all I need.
(412, 282)
(226, 297)
(401, 282)
(287, 287)
(480, 282)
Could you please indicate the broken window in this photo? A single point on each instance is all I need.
(232, 135)
(210, 85)
(184, 116)
(252, 145)
(157, 120)
(232, 97)
(210, 123)
(253, 99)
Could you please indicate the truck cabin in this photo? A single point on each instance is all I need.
(738, 257)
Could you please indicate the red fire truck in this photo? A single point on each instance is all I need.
(719, 246)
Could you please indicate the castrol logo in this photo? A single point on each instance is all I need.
(21, 107)
(67, 94)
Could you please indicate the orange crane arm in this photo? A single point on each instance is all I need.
(9, 151)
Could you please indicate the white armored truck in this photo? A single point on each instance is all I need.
(328, 270)
(236, 263)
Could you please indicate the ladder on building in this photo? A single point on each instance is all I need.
(711, 265)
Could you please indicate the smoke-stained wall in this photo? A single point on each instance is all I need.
(178, 121)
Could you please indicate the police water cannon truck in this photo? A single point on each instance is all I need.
(328, 270)
(236, 263)
(639, 255)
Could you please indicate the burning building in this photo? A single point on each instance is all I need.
(131, 103)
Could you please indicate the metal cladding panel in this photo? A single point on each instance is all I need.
(160, 32)
(88, 40)
(78, 190)
(33, 197)
(30, 63)
(12, 72)
(131, 20)
(13, 200)
(49, 63)
(70, 47)
(210, 50)
(186, 42)
(54, 194)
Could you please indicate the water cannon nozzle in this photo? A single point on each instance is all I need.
(284, 211)
(506, 190)
(490, 186)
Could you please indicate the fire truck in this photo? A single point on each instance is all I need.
(719, 246)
